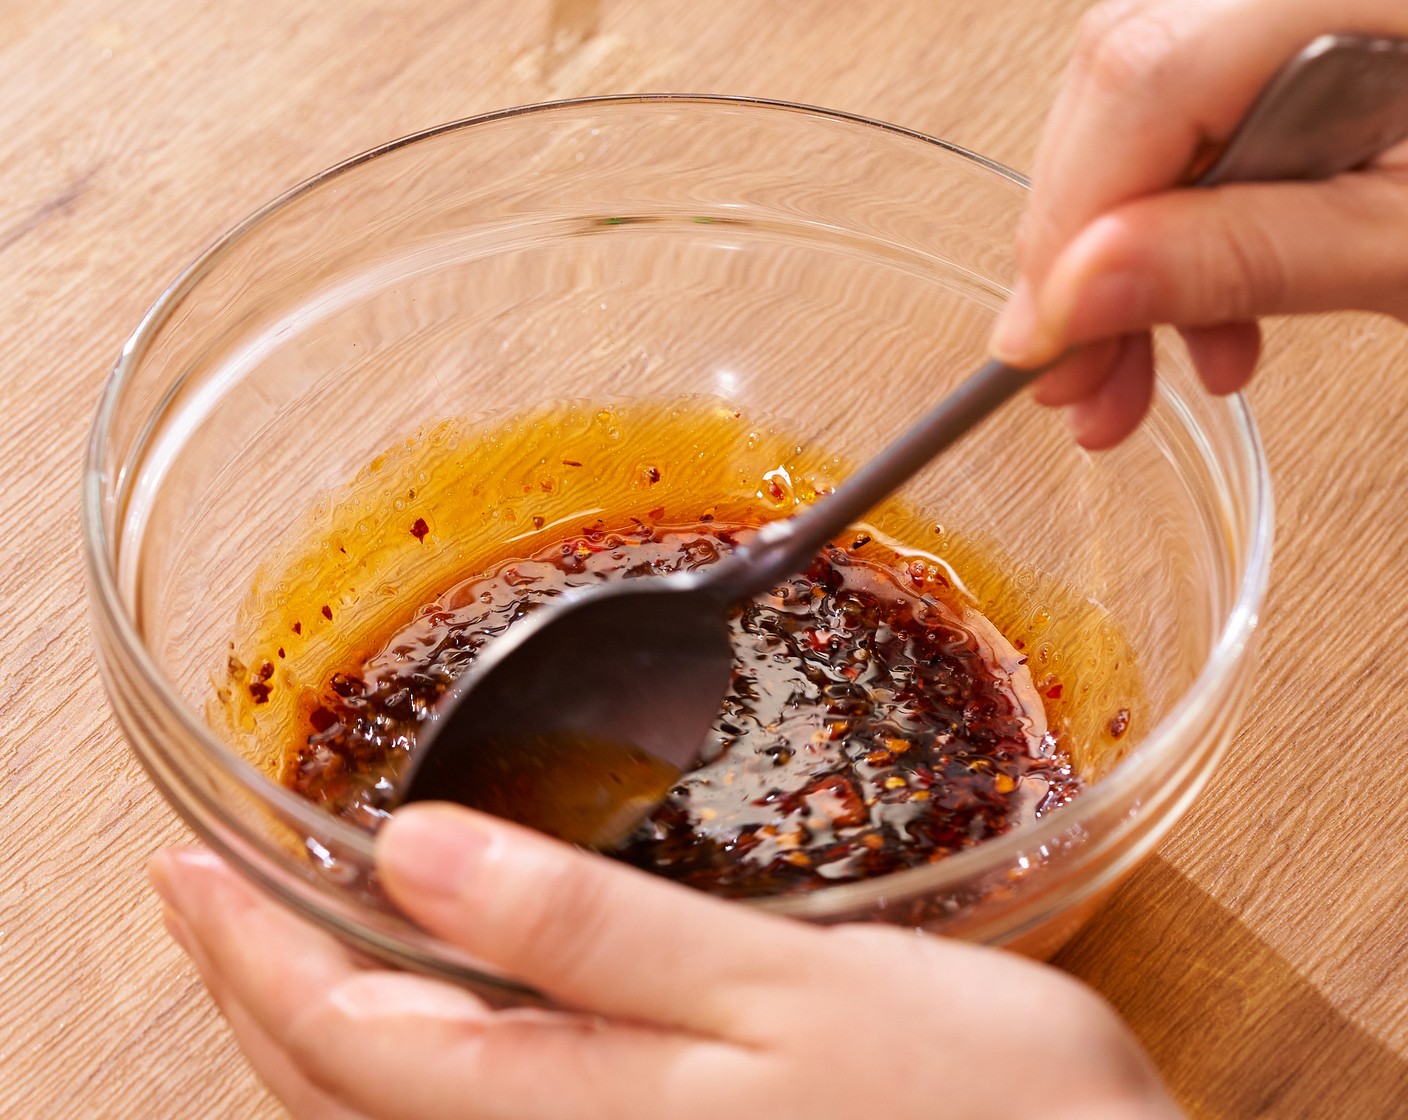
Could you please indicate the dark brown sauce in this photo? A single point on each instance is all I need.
(874, 723)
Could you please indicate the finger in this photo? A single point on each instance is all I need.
(593, 933)
(216, 915)
(1225, 354)
(1151, 84)
(1078, 376)
(380, 1042)
(1116, 408)
(288, 1082)
(1203, 258)
(270, 1061)
(276, 977)
(395, 1044)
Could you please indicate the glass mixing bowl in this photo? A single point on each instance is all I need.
(816, 268)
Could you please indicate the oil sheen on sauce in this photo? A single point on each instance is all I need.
(883, 714)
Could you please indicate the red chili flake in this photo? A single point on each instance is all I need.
(298, 627)
(411, 494)
(775, 490)
(321, 719)
(260, 691)
(819, 640)
(346, 685)
(861, 541)
(266, 670)
(281, 652)
(652, 474)
(707, 515)
(539, 522)
(419, 529)
(1119, 723)
(570, 463)
(1054, 692)
(655, 514)
(327, 612)
(1019, 643)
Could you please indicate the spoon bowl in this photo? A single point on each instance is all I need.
(633, 674)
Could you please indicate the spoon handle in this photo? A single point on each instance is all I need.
(1333, 107)
(783, 547)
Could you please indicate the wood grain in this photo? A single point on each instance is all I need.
(1260, 955)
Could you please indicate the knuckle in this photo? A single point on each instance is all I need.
(1248, 272)
(1028, 236)
(1099, 20)
(1042, 233)
(566, 922)
(308, 1039)
(541, 1065)
(1124, 46)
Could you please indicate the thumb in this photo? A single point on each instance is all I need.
(593, 933)
(1198, 258)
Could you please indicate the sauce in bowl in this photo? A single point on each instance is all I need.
(882, 715)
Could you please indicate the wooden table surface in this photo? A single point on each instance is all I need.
(1260, 953)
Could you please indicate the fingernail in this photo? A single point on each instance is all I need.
(432, 849)
(157, 876)
(162, 867)
(179, 931)
(1015, 331)
(1107, 304)
(167, 866)
(1082, 420)
(164, 872)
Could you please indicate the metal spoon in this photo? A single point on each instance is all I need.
(580, 719)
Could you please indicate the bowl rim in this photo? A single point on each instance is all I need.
(101, 551)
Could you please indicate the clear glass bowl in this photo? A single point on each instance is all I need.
(828, 270)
